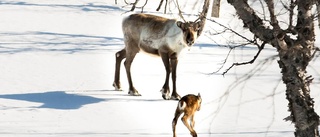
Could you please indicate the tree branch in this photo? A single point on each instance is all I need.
(274, 21)
(252, 21)
(160, 4)
(180, 13)
(292, 5)
(134, 5)
(227, 28)
(248, 62)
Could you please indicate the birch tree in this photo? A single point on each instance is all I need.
(296, 48)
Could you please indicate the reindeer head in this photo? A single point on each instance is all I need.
(190, 31)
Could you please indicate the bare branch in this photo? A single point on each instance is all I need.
(315, 51)
(227, 28)
(221, 101)
(216, 33)
(224, 62)
(231, 48)
(180, 13)
(134, 5)
(144, 5)
(263, 10)
(160, 4)
(248, 62)
(292, 5)
(274, 21)
(165, 6)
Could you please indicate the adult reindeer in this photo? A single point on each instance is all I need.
(158, 36)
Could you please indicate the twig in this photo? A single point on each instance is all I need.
(134, 5)
(227, 28)
(314, 53)
(144, 5)
(222, 100)
(160, 4)
(180, 13)
(248, 62)
(224, 62)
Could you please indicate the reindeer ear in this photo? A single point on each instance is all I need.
(180, 24)
(198, 25)
(199, 95)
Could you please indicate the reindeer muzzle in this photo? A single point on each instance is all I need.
(190, 43)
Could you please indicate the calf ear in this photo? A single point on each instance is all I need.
(199, 95)
(180, 24)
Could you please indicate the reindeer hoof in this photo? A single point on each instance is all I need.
(165, 96)
(117, 86)
(194, 134)
(134, 93)
(175, 97)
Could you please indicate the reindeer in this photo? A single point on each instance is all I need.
(188, 105)
(158, 36)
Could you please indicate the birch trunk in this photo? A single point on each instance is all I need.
(294, 57)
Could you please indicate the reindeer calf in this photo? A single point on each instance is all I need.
(188, 105)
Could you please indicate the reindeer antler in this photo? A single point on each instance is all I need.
(180, 14)
(203, 15)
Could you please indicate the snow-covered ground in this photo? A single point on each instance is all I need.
(57, 65)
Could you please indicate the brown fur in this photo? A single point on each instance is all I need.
(154, 34)
(188, 105)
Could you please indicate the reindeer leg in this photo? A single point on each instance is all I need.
(129, 58)
(174, 63)
(120, 55)
(185, 122)
(192, 122)
(165, 89)
(174, 121)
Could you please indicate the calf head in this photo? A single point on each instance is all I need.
(199, 102)
(190, 31)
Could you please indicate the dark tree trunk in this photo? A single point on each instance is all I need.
(215, 9)
(294, 57)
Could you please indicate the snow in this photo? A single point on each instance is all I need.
(58, 66)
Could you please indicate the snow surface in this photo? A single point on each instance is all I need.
(57, 65)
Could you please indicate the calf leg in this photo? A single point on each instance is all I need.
(185, 122)
(174, 121)
(120, 55)
(192, 122)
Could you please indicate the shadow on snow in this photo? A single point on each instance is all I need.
(38, 41)
(55, 99)
(88, 7)
(66, 100)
